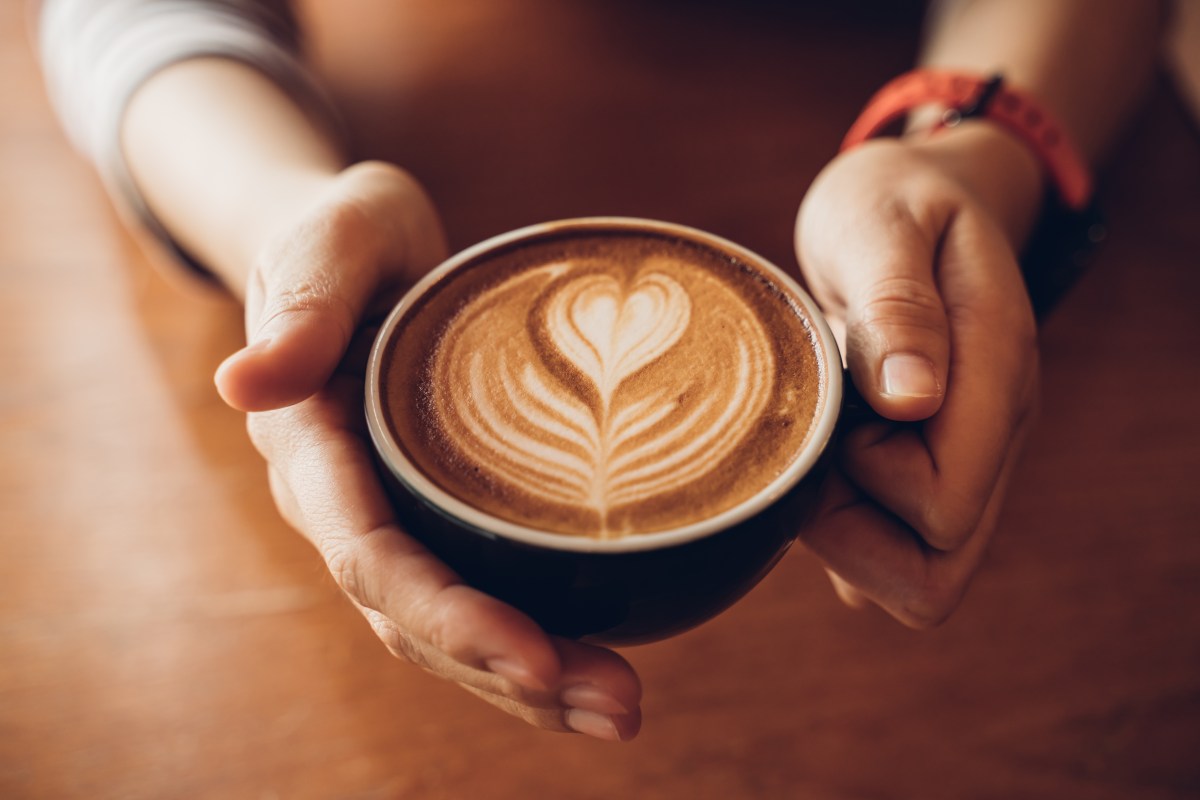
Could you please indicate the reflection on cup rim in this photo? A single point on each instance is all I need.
(407, 473)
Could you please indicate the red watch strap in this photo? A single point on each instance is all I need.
(1017, 111)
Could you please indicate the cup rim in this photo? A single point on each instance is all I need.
(404, 470)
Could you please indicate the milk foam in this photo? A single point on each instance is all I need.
(602, 384)
(597, 388)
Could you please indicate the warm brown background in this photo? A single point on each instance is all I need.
(163, 634)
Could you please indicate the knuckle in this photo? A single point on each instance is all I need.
(926, 617)
(316, 292)
(401, 644)
(932, 605)
(948, 530)
(938, 594)
(425, 624)
(437, 615)
(313, 293)
(344, 563)
(398, 642)
(338, 233)
(904, 301)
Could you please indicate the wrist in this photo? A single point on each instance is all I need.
(221, 156)
(997, 169)
(1008, 120)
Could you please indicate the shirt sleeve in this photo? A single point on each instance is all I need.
(96, 53)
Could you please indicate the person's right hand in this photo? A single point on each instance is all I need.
(311, 298)
(923, 291)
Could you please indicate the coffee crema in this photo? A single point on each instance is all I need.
(603, 384)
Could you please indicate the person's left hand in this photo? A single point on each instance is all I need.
(926, 299)
(310, 304)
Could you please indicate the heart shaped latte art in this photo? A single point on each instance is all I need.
(596, 392)
(608, 332)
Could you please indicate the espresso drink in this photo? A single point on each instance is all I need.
(603, 384)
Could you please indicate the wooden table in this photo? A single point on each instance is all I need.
(164, 634)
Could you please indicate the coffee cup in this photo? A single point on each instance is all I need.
(616, 425)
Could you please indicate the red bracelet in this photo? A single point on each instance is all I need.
(965, 96)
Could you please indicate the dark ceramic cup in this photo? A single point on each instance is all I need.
(612, 591)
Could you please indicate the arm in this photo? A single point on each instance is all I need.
(224, 158)
(911, 246)
(221, 152)
(1088, 62)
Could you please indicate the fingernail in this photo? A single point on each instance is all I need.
(517, 673)
(586, 697)
(589, 723)
(908, 375)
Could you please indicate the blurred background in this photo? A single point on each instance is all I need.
(164, 634)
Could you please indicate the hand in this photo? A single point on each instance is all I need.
(369, 235)
(923, 291)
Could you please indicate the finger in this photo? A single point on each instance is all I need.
(597, 679)
(938, 478)
(599, 695)
(342, 509)
(409, 647)
(591, 678)
(606, 727)
(374, 232)
(897, 336)
(867, 548)
(886, 562)
(869, 256)
(846, 591)
(302, 309)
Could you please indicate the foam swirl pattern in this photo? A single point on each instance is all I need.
(596, 398)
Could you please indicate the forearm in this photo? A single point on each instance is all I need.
(222, 155)
(1087, 61)
(199, 115)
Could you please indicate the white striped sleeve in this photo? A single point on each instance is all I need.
(96, 53)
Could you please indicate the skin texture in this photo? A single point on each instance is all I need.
(317, 252)
(930, 276)
(909, 245)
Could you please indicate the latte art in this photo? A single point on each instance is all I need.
(551, 408)
(607, 395)
(608, 331)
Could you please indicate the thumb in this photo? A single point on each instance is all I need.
(374, 232)
(303, 305)
(897, 334)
